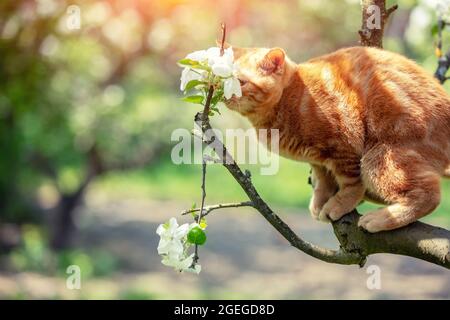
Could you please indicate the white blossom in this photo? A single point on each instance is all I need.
(221, 66)
(171, 235)
(189, 74)
(232, 86)
(443, 9)
(173, 246)
(199, 56)
(178, 264)
(195, 269)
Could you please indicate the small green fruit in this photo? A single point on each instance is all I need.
(196, 236)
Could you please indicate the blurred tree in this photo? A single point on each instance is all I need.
(69, 109)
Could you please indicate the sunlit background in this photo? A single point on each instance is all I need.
(86, 116)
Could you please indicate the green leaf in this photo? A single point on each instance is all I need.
(192, 84)
(187, 62)
(194, 99)
(215, 109)
(203, 223)
(217, 97)
(193, 64)
(200, 67)
(434, 30)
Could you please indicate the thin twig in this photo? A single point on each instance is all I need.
(203, 191)
(391, 10)
(200, 215)
(444, 59)
(224, 34)
(206, 210)
(205, 121)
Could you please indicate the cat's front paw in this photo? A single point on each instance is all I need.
(332, 211)
(316, 204)
(314, 210)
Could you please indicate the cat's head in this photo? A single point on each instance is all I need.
(262, 73)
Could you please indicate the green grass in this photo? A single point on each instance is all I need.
(288, 188)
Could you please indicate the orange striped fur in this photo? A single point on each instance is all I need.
(372, 124)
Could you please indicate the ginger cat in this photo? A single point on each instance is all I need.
(372, 124)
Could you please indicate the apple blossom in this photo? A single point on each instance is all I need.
(178, 263)
(188, 75)
(206, 68)
(232, 86)
(171, 235)
(173, 245)
(212, 74)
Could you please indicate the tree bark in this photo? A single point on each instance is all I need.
(374, 19)
(418, 240)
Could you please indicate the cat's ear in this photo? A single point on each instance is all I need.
(273, 61)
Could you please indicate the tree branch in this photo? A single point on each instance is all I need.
(417, 240)
(444, 60)
(333, 256)
(391, 10)
(371, 35)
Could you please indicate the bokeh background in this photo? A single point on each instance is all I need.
(86, 176)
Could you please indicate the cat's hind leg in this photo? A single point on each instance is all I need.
(403, 178)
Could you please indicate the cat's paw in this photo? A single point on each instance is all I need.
(332, 211)
(314, 208)
(324, 214)
(379, 220)
(314, 211)
(316, 204)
